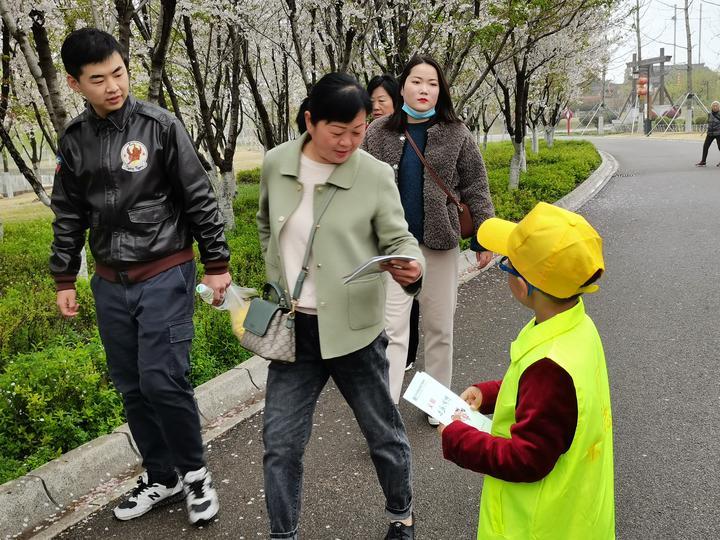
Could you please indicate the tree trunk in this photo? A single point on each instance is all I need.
(97, 21)
(30, 58)
(58, 114)
(225, 189)
(159, 50)
(689, 109)
(485, 140)
(265, 129)
(6, 165)
(535, 144)
(83, 272)
(516, 165)
(35, 159)
(549, 136)
(24, 170)
(125, 10)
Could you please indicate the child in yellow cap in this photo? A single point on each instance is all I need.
(548, 459)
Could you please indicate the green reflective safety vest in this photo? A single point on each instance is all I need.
(575, 501)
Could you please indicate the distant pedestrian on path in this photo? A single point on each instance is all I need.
(428, 116)
(713, 132)
(128, 172)
(339, 327)
(548, 458)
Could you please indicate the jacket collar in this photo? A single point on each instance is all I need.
(117, 119)
(534, 334)
(343, 176)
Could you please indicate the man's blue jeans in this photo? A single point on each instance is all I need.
(293, 390)
(147, 330)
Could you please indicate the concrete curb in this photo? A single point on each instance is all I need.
(67, 489)
(590, 187)
(64, 491)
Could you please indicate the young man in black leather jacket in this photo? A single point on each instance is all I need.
(127, 171)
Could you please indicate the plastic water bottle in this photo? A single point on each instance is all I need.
(236, 302)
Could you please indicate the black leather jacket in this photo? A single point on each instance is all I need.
(135, 181)
(713, 124)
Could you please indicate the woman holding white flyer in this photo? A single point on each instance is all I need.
(348, 200)
(442, 182)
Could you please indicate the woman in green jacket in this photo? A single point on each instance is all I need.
(339, 327)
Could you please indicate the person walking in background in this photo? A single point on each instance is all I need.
(339, 327)
(713, 132)
(429, 118)
(385, 97)
(128, 172)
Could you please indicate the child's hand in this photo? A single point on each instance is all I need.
(441, 427)
(460, 415)
(473, 397)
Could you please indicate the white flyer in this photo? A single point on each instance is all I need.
(372, 266)
(440, 402)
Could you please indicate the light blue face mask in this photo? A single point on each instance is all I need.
(416, 114)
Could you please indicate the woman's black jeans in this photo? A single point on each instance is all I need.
(293, 390)
(707, 144)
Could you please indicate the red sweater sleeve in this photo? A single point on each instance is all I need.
(489, 391)
(546, 416)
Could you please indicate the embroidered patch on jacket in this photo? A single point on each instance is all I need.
(58, 163)
(134, 156)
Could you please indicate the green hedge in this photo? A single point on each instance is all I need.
(37, 423)
(54, 389)
(249, 176)
(52, 401)
(551, 174)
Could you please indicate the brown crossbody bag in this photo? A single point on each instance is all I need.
(467, 229)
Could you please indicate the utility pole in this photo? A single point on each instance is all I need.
(700, 36)
(637, 30)
(675, 36)
(601, 109)
(689, 111)
(662, 90)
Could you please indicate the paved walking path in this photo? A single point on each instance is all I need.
(657, 312)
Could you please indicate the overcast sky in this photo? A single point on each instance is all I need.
(657, 30)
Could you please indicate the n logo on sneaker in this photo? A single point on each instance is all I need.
(201, 507)
(154, 495)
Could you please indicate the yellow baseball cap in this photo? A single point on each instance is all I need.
(556, 250)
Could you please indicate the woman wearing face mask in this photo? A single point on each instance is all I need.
(448, 146)
(385, 97)
(713, 132)
(339, 327)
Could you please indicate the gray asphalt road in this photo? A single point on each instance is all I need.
(657, 313)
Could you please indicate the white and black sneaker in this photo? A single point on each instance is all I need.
(200, 496)
(145, 497)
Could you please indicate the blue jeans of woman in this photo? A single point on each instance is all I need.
(292, 392)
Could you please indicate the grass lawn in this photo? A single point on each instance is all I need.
(23, 207)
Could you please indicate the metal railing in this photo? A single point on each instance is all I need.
(12, 184)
